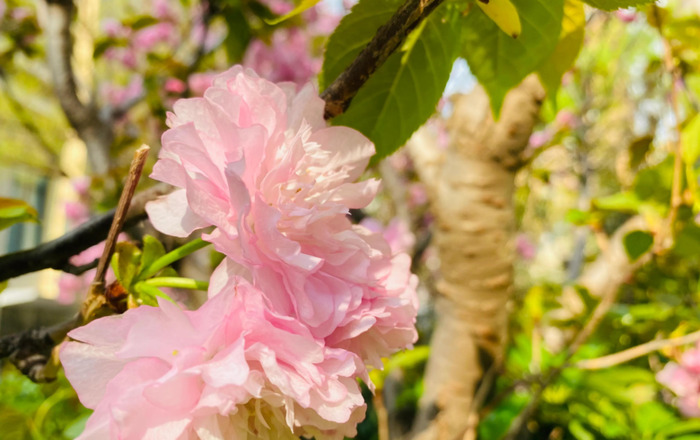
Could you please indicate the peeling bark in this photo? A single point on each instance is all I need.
(475, 225)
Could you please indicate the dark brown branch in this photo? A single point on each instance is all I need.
(30, 351)
(84, 118)
(81, 269)
(56, 254)
(387, 39)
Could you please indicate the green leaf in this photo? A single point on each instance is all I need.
(637, 243)
(579, 432)
(626, 201)
(152, 250)
(638, 150)
(682, 427)
(687, 242)
(611, 5)
(353, 33)
(239, 34)
(15, 211)
(303, 6)
(497, 422)
(651, 417)
(570, 42)
(125, 263)
(3, 285)
(403, 93)
(500, 62)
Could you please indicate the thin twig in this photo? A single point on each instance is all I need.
(677, 182)
(95, 298)
(635, 352)
(387, 39)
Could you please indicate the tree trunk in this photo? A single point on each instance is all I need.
(471, 196)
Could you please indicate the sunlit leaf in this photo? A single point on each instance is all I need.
(301, 7)
(504, 14)
(15, 211)
(611, 5)
(567, 49)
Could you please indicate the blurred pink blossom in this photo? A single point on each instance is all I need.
(163, 10)
(81, 185)
(230, 370)
(396, 233)
(20, 13)
(117, 96)
(146, 38)
(199, 82)
(525, 247)
(286, 59)
(74, 287)
(540, 138)
(115, 29)
(566, 119)
(417, 195)
(174, 85)
(76, 212)
(278, 7)
(257, 161)
(684, 381)
(626, 15)
(123, 55)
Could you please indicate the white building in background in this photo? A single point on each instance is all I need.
(48, 196)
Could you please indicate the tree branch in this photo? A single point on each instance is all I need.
(56, 254)
(635, 352)
(85, 119)
(387, 39)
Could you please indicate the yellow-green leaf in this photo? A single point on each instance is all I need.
(303, 6)
(15, 211)
(567, 49)
(504, 14)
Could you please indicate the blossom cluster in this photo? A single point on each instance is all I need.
(303, 304)
(684, 380)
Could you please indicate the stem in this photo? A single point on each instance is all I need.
(120, 215)
(178, 283)
(173, 256)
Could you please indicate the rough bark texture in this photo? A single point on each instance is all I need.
(475, 224)
(84, 118)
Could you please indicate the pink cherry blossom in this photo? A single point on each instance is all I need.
(257, 161)
(231, 369)
(285, 59)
